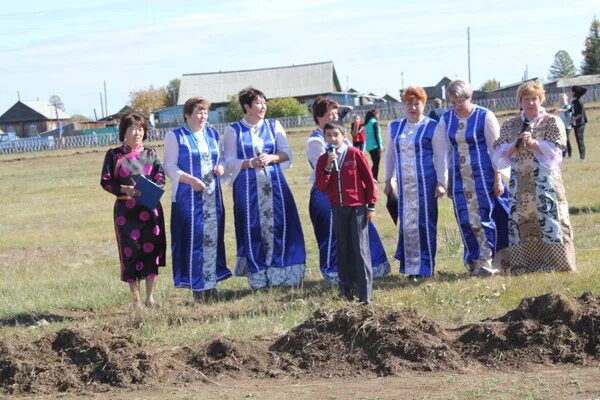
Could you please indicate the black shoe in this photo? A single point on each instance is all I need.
(203, 296)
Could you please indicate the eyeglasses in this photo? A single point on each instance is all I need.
(458, 101)
(530, 99)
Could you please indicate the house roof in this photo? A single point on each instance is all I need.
(512, 85)
(580, 80)
(290, 81)
(390, 99)
(26, 110)
(45, 109)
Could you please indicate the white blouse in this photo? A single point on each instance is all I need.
(233, 165)
(442, 148)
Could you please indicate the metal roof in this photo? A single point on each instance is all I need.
(291, 81)
(580, 80)
(45, 109)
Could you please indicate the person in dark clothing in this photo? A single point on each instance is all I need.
(579, 118)
(374, 143)
(437, 111)
(344, 174)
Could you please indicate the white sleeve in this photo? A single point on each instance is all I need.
(314, 149)
(500, 157)
(171, 156)
(491, 131)
(441, 149)
(232, 164)
(282, 145)
(389, 162)
(549, 154)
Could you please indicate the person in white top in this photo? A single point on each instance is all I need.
(270, 242)
(408, 163)
(193, 163)
(532, 143)
(462, 145)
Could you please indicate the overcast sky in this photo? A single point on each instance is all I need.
(59, 47)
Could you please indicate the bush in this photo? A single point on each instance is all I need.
(286, 107)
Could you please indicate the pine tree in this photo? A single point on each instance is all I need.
(562, 66)
(591, 52)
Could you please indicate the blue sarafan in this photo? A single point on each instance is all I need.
(411, 146)
(198, 218)
(482, 217)
(270, 242)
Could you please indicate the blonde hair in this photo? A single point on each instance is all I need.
(531, 88)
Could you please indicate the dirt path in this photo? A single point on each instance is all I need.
(537, 382)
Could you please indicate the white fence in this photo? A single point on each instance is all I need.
(387, 112)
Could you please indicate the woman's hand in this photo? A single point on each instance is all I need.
(440, 190)
(130, 191)
(370, 215)
(498, 188)
(266, 159)
(197, 185)
(387, 188)
(219, 170)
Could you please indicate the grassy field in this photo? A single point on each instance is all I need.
(58, 258)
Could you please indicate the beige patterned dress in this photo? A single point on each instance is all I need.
(540, 233)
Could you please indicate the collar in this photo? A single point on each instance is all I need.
(254, 127)
(199, 132)
(128, 149)
(534, 119)
(341, 149)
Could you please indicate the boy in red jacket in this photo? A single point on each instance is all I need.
(344, 174)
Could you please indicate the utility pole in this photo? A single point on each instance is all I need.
(101, 105)
(18, 95)
(105, 100)
(469, 52)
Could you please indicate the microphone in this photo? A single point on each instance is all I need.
(331, 149)
(258, 151)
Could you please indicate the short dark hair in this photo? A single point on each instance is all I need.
(371, 114)
(130, 119)
(334, 125)
(578, 91)
(322, 105)
(191, 103)
(248, 95)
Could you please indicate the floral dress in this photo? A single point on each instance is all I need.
(140, 231)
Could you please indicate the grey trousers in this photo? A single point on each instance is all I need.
(353, 254)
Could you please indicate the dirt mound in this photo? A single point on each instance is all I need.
(74, 358)
(224, 356)
(545, 329)
(357, 340)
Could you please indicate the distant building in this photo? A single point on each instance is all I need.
(303, 82)
(391, 100)
(438, 90)
(30, 118)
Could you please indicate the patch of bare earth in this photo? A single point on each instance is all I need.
(356, 340)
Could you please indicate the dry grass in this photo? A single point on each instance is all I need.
(58, 257)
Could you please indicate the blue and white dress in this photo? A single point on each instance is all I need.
(465, 146)
(320, 215)
(409, 161)
(197, 218)
(270, 243)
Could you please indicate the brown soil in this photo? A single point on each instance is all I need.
(356, 340)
